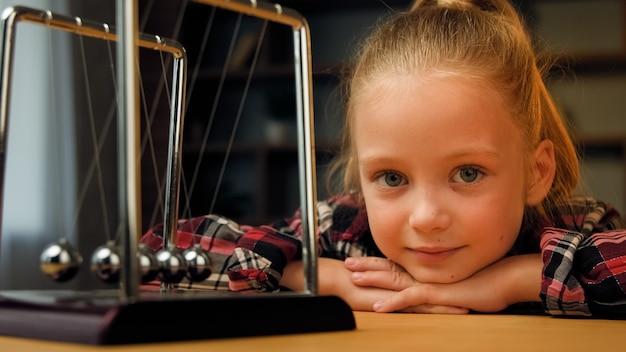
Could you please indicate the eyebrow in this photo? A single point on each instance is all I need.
(465, 152)
(469, 151)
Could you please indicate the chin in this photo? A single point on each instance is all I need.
(440, 277)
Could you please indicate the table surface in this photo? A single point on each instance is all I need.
(399, 332)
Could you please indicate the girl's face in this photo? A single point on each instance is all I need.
(443, 175)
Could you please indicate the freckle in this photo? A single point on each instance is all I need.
(452, 276)
(501, 238)
(439, 240)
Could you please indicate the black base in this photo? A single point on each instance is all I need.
(101, 318)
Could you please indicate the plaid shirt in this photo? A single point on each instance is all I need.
(584, 253)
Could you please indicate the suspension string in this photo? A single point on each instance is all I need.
(216, 100)
(168, 94)
(161, 85)
(92, 167)
(192, 83)
(147, 139)
(239, 112)
(146, 14)
(203, 45)
(97, 150)
(149, 142)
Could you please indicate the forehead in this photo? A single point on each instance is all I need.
(404, 108)
(420, 85)
(439, 93)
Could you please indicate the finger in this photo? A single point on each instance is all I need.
(371, 263)
(390, 280)
(434, 309)
(410, 297)
(363, 299)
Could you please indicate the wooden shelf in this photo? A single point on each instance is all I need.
(591, 64)
(602, 140)
(605, 146)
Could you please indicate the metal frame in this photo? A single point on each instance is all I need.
(305, 121)
(128, 40)
(100, 318)
(130, 192)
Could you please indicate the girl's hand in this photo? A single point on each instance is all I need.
(335, 279)
(508, 281)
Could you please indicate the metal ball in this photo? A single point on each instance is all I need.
(198, 263)
(106, 263)
(172, 265)
(60, 261)
(148, 264)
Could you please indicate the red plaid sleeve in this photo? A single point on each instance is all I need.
(253, 258)
(217, 235)
(561, 292)
(585, 271)
(260, 257)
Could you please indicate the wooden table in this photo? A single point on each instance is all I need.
(400, 332)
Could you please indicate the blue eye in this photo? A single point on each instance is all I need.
(390, 179)
(468, 174)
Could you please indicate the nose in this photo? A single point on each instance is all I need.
(429, 212)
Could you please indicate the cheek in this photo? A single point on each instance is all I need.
(385, 224)
(492, 222)
(504, 225)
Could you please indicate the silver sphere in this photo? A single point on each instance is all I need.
(148, 264)
(198, 263)
(106, 263)
(60, 261)
(172, 265)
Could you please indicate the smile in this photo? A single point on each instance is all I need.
(433, 254)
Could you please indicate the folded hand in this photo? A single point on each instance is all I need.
(508, 281)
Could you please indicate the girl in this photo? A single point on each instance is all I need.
(458, 175)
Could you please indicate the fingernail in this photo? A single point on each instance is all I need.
(378, 306)
(350, 261)
(357, 275)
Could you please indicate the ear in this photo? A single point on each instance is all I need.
(541, 174)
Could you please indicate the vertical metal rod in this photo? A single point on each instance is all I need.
(175, 144)
(306, 156)
(128, 129)
(6, 61)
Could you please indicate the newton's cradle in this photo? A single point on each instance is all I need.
(130, 314)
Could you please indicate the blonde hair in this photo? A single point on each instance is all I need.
(481, 40)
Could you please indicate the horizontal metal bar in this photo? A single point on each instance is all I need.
(88, 28)
(261, 9)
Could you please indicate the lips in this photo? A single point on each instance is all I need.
(434, 254)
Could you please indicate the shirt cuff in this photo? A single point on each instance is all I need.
(561, 292)
(260, 258)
